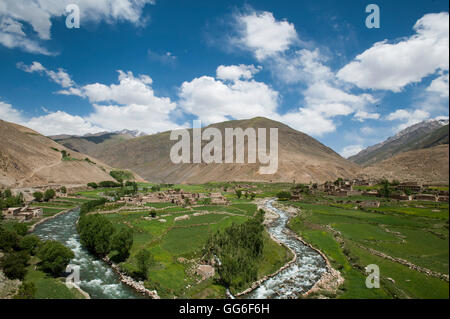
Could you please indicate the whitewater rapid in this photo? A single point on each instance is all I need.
(97, 278)
(301, 275)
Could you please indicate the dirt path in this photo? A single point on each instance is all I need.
(36, 170)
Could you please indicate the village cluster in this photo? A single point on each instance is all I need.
(403, 191)
(176, 197)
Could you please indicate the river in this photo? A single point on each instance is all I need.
(96, 277)
(301, 275)
(101, 282)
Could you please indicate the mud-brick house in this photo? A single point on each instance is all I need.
(22, 213)
(370, 204)
(296, 196)
(411, 186)
(426, 197)
(218, 199)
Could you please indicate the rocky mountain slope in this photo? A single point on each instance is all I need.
(423, 165)
(419, 136)
(301, 158)
(28, 158)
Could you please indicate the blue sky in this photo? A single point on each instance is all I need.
(157, 65)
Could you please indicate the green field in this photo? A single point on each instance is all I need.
(170, 240)
(411, 231)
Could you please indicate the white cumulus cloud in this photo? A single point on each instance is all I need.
(261, 33)
(392, 66)
(214, 100)
(39, 13)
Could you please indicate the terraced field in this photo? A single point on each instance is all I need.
(408, 240)
(177, 244)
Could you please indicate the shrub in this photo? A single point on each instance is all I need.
(92, 185)
(14, 265)
(27, 290)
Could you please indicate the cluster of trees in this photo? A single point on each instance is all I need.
(105, 184)
(46, 196)
(91, 205)
(121, 176)
(302, 188)
(284, 195)
(18, 247)
(8, 200)
(130, 188)
(98, 235)
(239, 249)
(246, 194)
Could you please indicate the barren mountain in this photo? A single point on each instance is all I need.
(301, 158)
(89, 143)
(28, 158)
(421, 135)
(424, 165)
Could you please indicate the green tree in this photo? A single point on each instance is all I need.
(27, 290)
(121, 242)
(20, 228)
(9, 239)
(14, 264)
(144, 260)
(92, 185)
(30, 243)
(95, 233)
(284, 195)
(38, 196)
(63, 190)
(385, 189)
(238, 193)
(49, 194)
(54, 257)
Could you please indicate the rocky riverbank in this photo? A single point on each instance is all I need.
(138, 286)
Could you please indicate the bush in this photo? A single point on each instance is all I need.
(14, 265)
(63, 190)
(92, 185)
(27, 290)
(54, 257)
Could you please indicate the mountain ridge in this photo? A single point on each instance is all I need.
(411, 138)
(302, 158)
